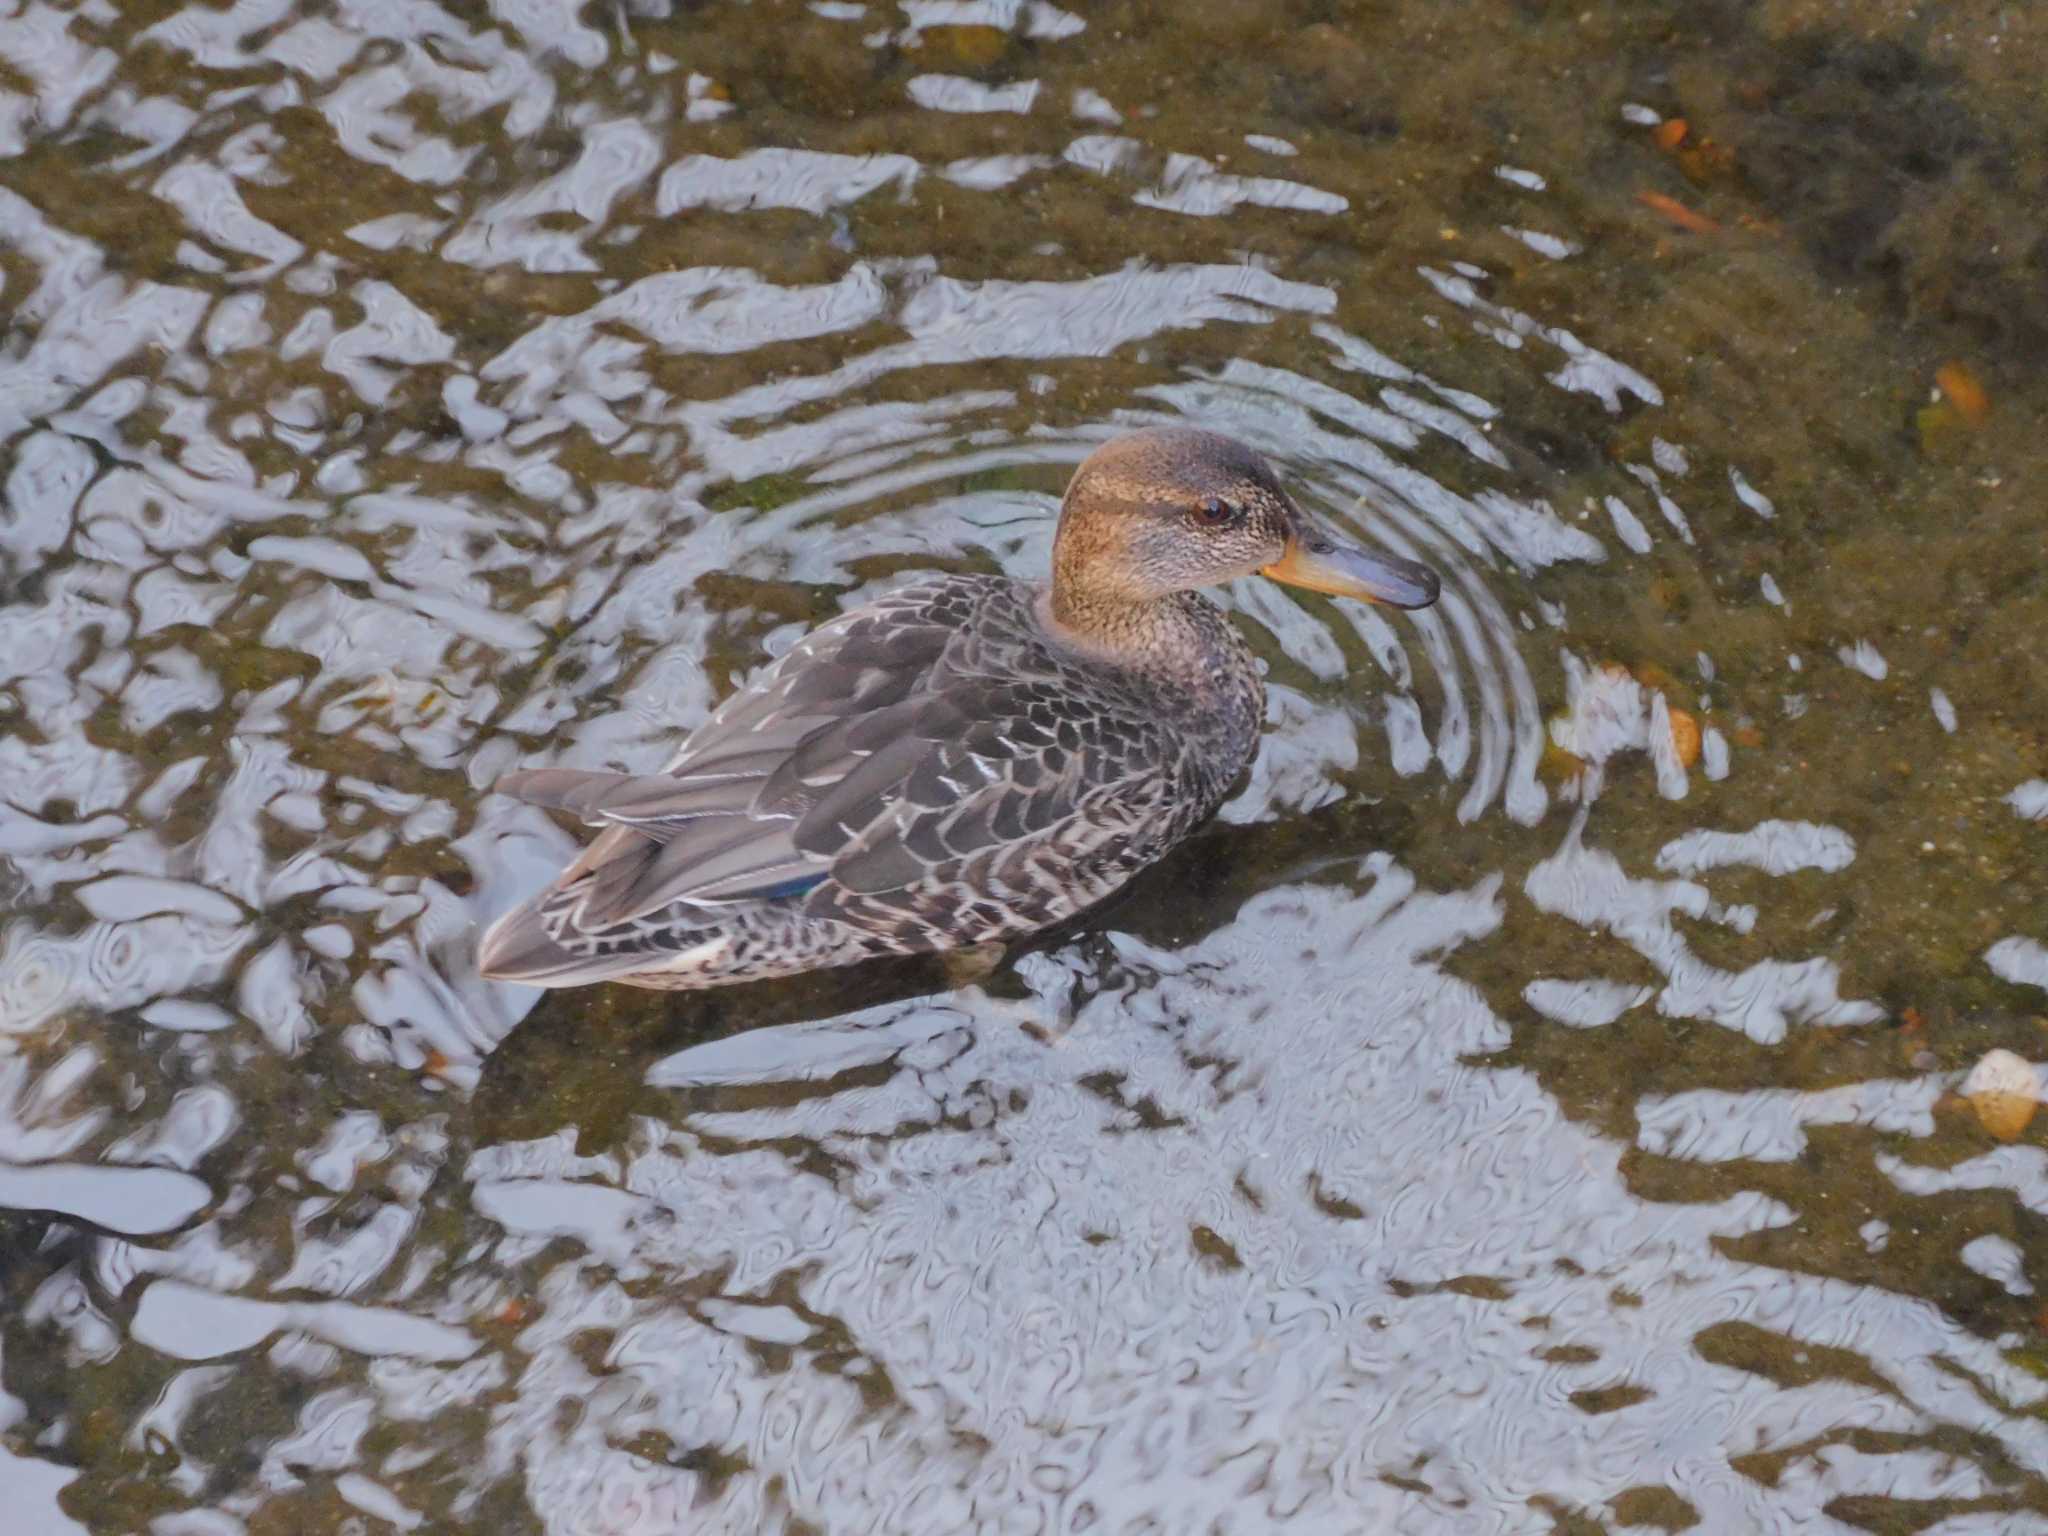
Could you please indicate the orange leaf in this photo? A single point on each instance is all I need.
(1964, 392)
(1685, 737)
(1672, 209)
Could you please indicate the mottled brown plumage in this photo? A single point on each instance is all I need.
(963, 761)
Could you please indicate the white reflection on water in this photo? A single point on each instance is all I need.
(1310, 1272)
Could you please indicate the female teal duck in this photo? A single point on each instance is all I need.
(962, 762)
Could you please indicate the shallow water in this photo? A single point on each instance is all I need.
(1492, 1122)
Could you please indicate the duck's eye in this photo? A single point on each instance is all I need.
(1214, 512)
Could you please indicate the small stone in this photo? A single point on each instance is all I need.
(970, 47)
(2004, 1090)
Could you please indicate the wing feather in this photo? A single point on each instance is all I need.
(653, 802)
(893, 748)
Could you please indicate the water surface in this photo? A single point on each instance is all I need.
(1530, 1106)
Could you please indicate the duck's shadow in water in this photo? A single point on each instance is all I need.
(581, 1058)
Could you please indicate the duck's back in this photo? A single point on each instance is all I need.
(928, 771)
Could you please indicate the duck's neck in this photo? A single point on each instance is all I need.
(1174, 635)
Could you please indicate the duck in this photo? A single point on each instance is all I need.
(959, 763)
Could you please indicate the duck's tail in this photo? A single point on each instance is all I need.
(523, 946)
(518, 947)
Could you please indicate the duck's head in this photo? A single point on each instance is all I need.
(1171, 509)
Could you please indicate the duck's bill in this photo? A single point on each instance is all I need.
(1318, 562)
